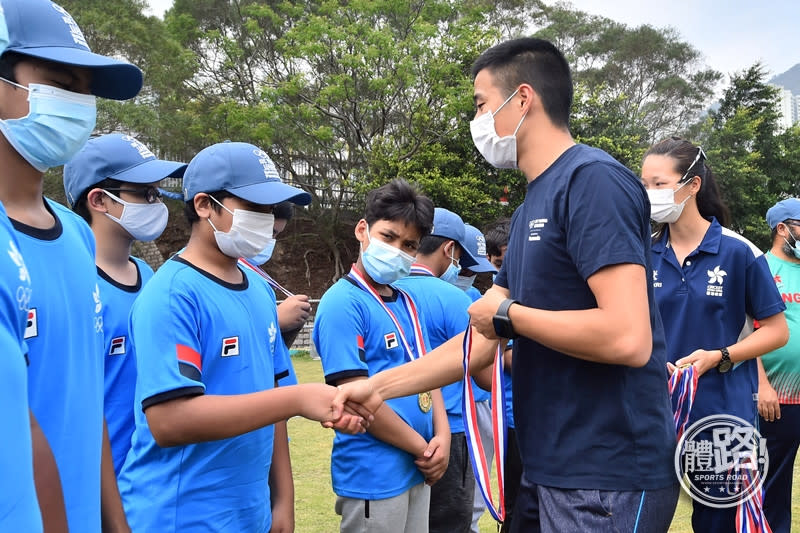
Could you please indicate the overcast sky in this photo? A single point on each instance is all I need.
(731, 34)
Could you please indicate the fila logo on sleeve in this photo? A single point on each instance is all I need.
(230, 347)
(391, 340)
(117, 346)
(31, 324)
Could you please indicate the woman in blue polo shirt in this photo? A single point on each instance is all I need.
(710, 284)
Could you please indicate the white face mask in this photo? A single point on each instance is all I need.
(500, 152)
(249, 234)
(144, 222)
(465, 282)
(663, 209)
(265, 255)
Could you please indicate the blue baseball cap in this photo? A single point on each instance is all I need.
(242, 169)
(116, 156)
(44, 29)
(788, 209)
(476, 248)
(3, 30)
(450, 226)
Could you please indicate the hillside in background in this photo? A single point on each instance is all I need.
(789, 79)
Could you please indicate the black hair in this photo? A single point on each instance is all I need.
(398, 200)
(496, 236)
(81, 206)
(431, 243)
(536, 62)
(8, 63)
(688, 165)
(283, 211)
(191, 213)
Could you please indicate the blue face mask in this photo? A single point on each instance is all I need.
(56, 127)
(265, 254)
(451, 274)
(792, 247)
(384, 263)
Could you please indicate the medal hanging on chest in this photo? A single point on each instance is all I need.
(424, 399)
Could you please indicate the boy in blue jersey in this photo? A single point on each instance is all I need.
(210, 424)
(592, 414)
(443, 308)
(27, 503)
(365, 324)
(112, 184)
(49, 79)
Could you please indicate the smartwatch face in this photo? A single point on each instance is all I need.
(724, 366)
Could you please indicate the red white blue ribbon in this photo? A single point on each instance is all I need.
(411, 309)
(682, 390)
(499, 430)
(750, 513)
(274, 284)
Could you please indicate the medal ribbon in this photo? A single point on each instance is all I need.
(682, 390)
(476, 450)
(274, 284)
(411, 309)
(750, 514)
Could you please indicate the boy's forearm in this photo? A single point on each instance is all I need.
(281, 482)
(48, 482)
(113, 515)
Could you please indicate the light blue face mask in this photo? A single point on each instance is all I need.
(451, 274)
(384, 263)
(265, 255)
(465, 282)
(56, 127)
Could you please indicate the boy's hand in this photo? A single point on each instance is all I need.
(293, 312)
(434, 460)
(347, 417)
(768, 405)
(357, 393)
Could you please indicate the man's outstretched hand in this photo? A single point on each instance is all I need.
(356, 397)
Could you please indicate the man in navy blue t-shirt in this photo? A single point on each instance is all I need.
(592, 414)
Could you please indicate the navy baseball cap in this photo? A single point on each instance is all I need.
(450, 226)
(476, 248)
(44, 29)
(116, 156)
(242, 169)
(788, 209)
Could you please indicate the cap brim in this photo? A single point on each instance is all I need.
(482, 265)
(150, 171)
(111, 78)
(467, 260)
(270, 193)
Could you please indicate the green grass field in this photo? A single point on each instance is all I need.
(310, 447)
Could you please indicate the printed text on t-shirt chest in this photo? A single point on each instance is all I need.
(535, 228)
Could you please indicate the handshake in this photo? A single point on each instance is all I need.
(348, 408)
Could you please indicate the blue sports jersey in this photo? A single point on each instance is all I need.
(19, 507)
(581, 424)
(355, 337)
(196, 334)
(710, 303)
(119, 358)
(443, 309)
(64, 334)
(473, 293)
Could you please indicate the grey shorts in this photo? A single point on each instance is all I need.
(404, 513)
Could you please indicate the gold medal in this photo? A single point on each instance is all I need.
(425, 400)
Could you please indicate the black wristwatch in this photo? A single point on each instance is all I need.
(725, 363)
(501, 322)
